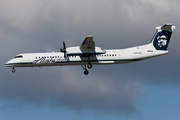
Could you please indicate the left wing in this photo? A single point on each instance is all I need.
(88, 43)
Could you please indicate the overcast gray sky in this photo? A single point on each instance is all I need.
(42, 26)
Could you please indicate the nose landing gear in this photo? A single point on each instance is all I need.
(13, 70)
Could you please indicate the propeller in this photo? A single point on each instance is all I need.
(64, 49)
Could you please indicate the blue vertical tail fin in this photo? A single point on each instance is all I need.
(162, 37)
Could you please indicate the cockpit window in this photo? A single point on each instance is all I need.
(18, 56)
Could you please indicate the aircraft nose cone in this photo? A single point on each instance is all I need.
(8, 64)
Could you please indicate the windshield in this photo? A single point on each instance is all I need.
(18, 56)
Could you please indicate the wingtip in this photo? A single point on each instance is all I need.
(90, 36)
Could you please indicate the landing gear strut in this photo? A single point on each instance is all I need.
(13, 70)
(86, 72)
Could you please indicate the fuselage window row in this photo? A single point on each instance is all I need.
(105, 55)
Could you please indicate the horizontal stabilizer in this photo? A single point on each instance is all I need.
(166, 27)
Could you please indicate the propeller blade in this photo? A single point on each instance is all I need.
(64, 48)
(64, 55)
(64, 45)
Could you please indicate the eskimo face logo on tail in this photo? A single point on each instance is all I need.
(162, 40)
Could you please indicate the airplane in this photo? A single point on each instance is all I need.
(87, 54)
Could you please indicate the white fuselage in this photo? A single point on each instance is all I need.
(87, 54)
(112, 56)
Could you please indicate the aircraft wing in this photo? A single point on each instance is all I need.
(88, 43)
(86, 49)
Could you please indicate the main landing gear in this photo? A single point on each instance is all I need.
(13, 70)
(86, 72)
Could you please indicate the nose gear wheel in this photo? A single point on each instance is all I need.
(13, 70)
